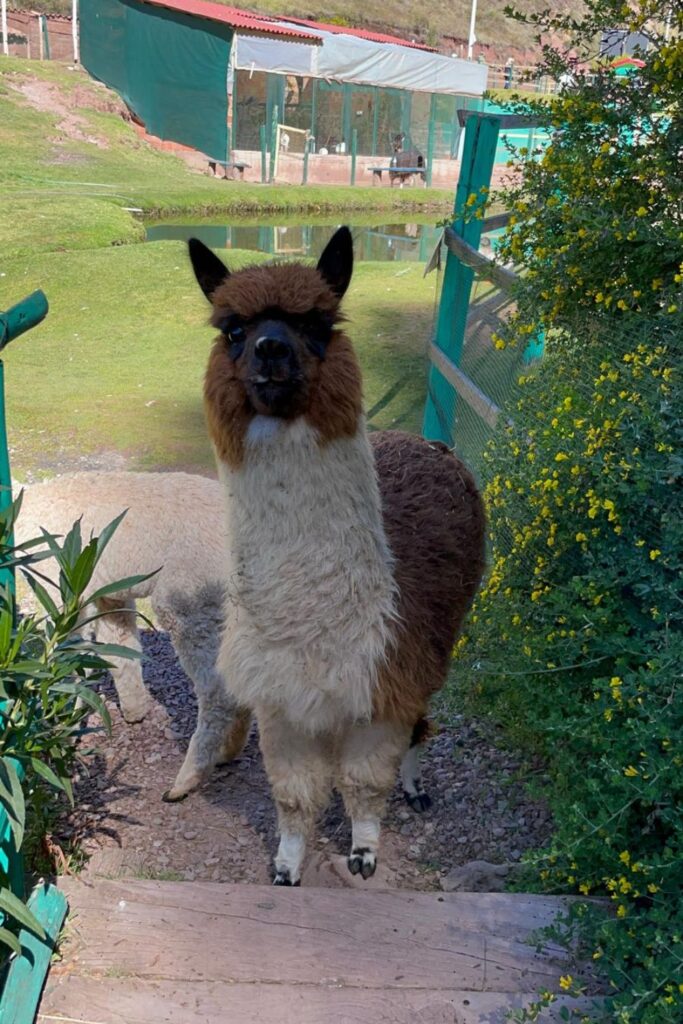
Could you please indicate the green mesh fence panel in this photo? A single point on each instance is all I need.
(168, 67)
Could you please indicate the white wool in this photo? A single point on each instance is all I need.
(311, 598)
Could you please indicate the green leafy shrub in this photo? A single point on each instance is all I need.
(576, 643)
(47, 670)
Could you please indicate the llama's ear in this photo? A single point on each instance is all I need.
(336, 262)
(208, 269)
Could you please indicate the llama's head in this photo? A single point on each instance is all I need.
(280, 352)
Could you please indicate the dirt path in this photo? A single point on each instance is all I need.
(226, 830)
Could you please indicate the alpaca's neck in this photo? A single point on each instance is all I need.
(312, 572)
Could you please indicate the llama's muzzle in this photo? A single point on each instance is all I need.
(275, 382)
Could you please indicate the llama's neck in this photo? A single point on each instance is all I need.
(311, 599)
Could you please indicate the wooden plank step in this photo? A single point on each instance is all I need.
(83, 1000)
(181, 953)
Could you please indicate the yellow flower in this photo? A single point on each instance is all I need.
(625, 857)
(581, 537)
(615, 681)
(631, 771)
(654, 554)
(566, 982)
(621, 910)
(641, 212)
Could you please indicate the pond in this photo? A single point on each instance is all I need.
(414, 241)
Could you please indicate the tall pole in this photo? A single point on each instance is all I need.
(472, 39)
(5, 41)
(74, 30)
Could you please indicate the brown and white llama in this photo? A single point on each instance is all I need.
(353, 559)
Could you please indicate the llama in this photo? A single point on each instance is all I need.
(404, 158)
(353, 558)
(174, 524)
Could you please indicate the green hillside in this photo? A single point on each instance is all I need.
(442, 23)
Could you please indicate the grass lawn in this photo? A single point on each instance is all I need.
(116, 368)
(45, 157)
(113, 376)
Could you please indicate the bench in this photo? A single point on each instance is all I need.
(394, 172)
(238, 166)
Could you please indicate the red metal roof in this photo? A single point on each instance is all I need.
(246, 20)
(360, 33)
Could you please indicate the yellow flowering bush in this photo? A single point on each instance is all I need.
(575, 644)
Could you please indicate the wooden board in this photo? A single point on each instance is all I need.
(82, 1000)
(25, 977)
(181, 953)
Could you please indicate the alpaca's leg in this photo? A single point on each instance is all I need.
(411, 774)
(369, 760)
(194, 621)
(219, 736)
(299, 770)
(236, 736)
(119, 626)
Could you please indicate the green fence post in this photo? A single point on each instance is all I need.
(307, 146)
(354, 148)
(13, 322)
(430, 142)
(273, 144)
(481, 140)
(375, 121)
(262, 141)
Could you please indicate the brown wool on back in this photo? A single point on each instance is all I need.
(435, 524)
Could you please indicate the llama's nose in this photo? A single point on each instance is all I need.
(269, 347)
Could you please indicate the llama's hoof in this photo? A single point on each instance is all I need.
(420, 801)
(169, 797)
(362, 862)
(135, 709)
(284, 878)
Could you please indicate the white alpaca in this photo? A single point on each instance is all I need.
(175, 523)
(353, 558)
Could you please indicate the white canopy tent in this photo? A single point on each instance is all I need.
(347, 58)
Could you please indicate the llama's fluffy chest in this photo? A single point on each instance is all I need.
(311, 594)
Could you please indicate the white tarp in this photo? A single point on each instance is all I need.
(343, 58)
(257, 53)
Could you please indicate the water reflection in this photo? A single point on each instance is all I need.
(413, 242)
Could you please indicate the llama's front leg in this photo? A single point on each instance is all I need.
(299, 770)
(118, 625)
(369, 759)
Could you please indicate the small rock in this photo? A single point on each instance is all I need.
(476, 876)
(190, 834)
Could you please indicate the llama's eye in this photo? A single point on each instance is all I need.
(318, 331)
(237, 337)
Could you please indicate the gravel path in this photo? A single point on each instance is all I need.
(226, 830)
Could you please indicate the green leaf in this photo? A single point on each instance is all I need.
(124, 584)
(43, 597)
(19, 912)
(83, 568)
(107, 533)
(45, 772)
(7, 938)
(12, 799)
(84, 693)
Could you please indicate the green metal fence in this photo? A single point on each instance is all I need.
(22, 980)
(469, 379)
